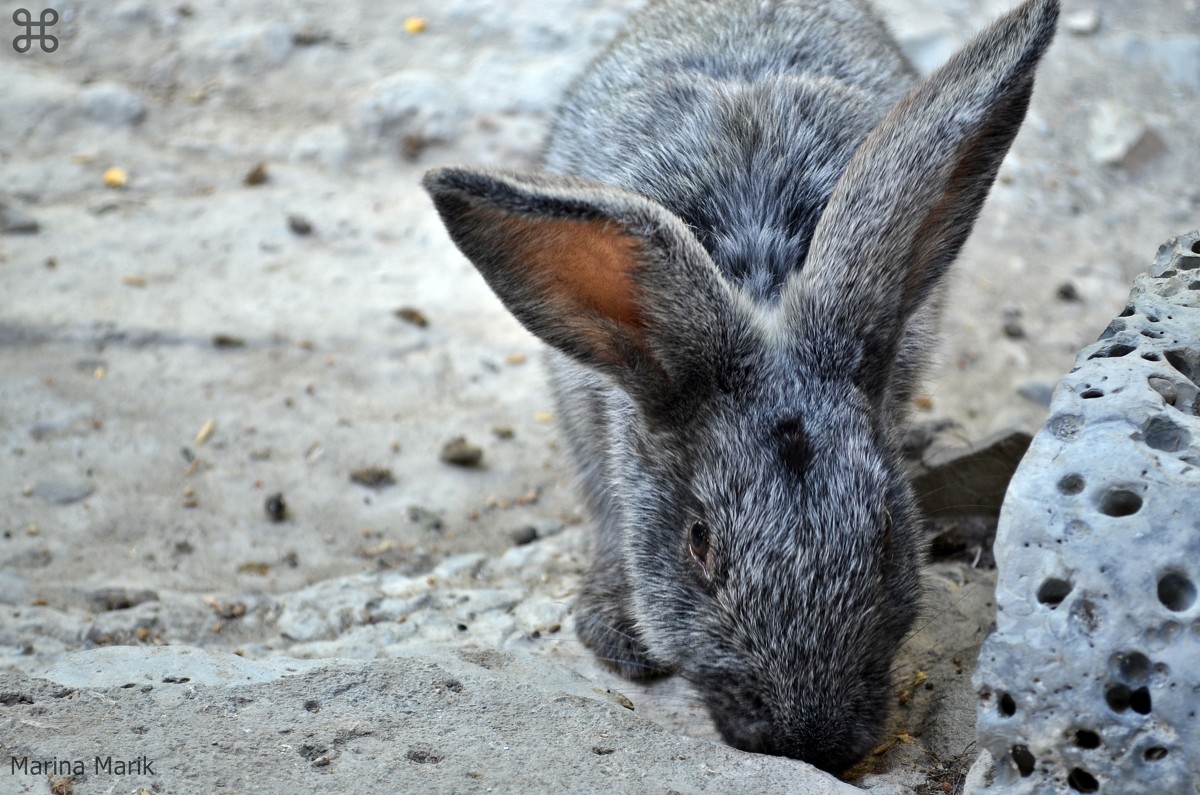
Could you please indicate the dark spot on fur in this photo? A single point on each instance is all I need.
(793, 446)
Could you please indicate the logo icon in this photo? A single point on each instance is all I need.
(24, 19)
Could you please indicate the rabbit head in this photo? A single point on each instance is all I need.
(762, 540)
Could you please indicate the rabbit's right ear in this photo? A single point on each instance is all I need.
(604, 275)
(909, 197)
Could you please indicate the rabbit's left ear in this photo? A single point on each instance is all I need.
(910, 195)
(604, 275)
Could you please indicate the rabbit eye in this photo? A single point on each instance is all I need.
(698, 543)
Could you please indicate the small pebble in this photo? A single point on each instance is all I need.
(229, 610)
(275, 507)
(1067, 291)
(227, 341)
(300, 225)
(459, 452)
(373, 477)
(15, 221)
(1083, 22)
(104, 600)
(1114, 132)
(411, 315)
(616, 696)
(1013, 329)
(256, 175)
(526, 535)
(426, 518)
(1037, 392)
(308, 38)
(206, 431)
(424, 755)
(116, 177)
(63, 492)
(503, 432)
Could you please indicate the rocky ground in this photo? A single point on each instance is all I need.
(220, 283)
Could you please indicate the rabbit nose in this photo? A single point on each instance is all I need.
(824, 739)
(818, 748)
(767, 741)
(824, 746)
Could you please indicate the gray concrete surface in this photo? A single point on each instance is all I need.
(474, 721)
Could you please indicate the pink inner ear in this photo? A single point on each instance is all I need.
(582, 266)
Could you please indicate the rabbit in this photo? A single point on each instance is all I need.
(735, 250)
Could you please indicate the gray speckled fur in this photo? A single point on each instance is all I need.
(751, 116)
(793, 198)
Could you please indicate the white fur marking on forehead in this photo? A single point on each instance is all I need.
(767, 321)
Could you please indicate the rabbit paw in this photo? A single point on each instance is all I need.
(603, 625)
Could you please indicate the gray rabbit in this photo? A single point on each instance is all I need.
(736, 250)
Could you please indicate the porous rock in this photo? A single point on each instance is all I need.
(1089, 682)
